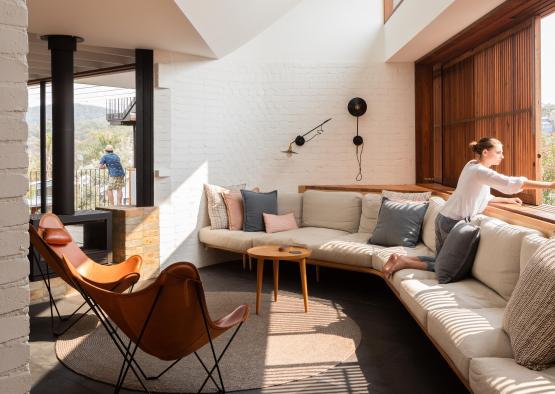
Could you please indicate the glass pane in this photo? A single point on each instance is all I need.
(548, 103)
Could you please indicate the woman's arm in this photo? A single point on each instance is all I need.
(528, 184)
(507, 200)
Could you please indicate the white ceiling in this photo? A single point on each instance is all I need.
(112, 30)
(124, 79)
(128, 24)
(86, 58)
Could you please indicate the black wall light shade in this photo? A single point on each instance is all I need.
(357, 107)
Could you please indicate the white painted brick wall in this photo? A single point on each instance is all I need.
(225, 121)
(14, 216)
(229, 123)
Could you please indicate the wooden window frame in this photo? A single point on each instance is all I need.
(499, 23)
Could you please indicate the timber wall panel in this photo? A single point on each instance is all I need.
(488, 92)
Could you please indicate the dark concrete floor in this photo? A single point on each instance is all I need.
(394, 356)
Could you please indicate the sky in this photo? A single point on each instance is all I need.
(84, 94)
(548, 59)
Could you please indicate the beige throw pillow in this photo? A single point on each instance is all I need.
(216, 206)
(530, 314)
(429, 227)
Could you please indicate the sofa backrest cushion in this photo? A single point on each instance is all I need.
(334, 210)
(530, 244)
(371, 203)
(429, 226)
(497, 262)
(291, 202)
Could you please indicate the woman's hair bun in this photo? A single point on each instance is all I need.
(485, 143)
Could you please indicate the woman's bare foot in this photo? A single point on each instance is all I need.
(394, 264)
(390, 264)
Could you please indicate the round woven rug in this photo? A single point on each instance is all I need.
(280, 345)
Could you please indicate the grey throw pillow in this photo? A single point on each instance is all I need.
(255, 204)
(456, 257)
(399, 223)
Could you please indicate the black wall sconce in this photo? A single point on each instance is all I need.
(300, 139)
(357, 107)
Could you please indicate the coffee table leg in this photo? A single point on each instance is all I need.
(276, 278)
(302, 265)
(259, 276)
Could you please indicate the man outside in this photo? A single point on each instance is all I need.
(116, 174)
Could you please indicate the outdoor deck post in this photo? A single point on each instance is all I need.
(144, 132)
(43, 175)
(63, 128)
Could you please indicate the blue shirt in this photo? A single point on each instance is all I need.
(113, 163)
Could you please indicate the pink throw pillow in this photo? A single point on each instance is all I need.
(234, 206)
(277, 223)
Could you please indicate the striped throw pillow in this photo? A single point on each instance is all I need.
(529, 318)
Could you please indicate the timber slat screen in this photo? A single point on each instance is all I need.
(484, 81)
(490, 93)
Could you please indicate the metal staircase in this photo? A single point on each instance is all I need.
(121, 111)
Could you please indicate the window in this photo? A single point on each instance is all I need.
(548, 104)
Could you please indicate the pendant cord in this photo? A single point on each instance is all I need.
(359, 158)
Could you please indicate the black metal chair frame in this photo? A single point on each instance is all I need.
(128, 353)
(52, 302)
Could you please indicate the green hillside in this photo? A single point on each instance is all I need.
(92, 133)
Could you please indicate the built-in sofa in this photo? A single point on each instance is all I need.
(462, 319)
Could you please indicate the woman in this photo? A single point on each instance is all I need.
(471, 197)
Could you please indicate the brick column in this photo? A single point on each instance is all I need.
(136, 230)
(14, 218)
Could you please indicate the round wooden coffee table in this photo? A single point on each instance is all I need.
(272, 252)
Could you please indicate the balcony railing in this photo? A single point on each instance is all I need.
(90, 189)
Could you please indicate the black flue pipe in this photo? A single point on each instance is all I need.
(63, 128)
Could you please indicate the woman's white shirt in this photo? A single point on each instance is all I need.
(473, 190)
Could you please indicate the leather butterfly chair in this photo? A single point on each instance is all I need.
(168, 319)
(52, 241)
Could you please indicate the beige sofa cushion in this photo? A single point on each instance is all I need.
(311, 237)
(410, 273)
(428, 226)
(333, 210)
(424, 295)
(347, 249)
(381, 256)
(491, 375)
(290, 202)
(497, 262)
(371, 203)
(530, 244)
(468, 333)
(238, 241)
